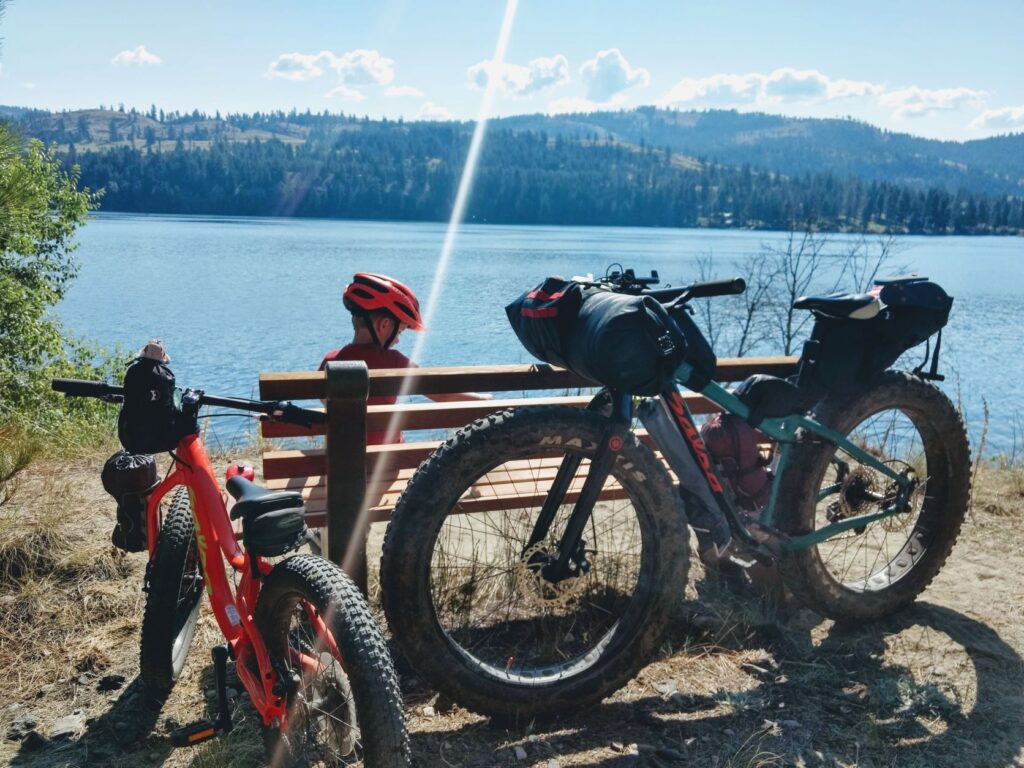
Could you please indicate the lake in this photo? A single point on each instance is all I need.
(235, 296)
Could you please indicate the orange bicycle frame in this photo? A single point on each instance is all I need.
(233, 610)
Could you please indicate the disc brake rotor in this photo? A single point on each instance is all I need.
(535, 589)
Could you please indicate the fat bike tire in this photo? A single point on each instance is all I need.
(452, 574)
(350, 712)
(873, 571)
(174, 598)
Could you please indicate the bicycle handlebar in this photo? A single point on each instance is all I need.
(678, 296)
(281, 410)
(730, 287)
(79, 388)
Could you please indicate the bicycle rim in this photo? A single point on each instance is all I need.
(489, 595)
(187, 606)
(874, 557)
(322, 725)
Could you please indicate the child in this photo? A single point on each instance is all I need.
(381, 309)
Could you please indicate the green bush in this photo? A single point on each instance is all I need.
(41, 208)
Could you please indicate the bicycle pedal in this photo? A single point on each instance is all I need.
(194, 733)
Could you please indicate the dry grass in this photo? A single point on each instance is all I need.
(740, 682)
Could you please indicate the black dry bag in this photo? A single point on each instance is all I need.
(151, 420)
(129, 478)
(625, 342)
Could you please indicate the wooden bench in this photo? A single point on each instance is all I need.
(334, 479)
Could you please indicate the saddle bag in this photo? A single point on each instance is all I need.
(129, 478)
(274, 532)
(626, 342)
(844, 354)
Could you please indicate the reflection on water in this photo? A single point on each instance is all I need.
(235, 296)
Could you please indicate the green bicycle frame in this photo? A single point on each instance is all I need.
(784, 431)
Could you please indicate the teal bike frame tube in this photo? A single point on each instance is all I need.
(784, 431)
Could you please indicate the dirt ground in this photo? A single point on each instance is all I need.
(942, 684)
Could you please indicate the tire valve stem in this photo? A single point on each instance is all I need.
(508, 663)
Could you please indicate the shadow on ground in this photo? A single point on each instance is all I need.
(929, 688)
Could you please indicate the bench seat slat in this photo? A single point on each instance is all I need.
(278, 465)
(316, 512)
(409, 416)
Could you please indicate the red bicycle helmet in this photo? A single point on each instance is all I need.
(379, 293)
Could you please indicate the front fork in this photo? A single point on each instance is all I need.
(619, 408)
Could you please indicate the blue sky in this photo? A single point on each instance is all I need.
(938, 69)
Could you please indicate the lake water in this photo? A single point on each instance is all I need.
(235, 296)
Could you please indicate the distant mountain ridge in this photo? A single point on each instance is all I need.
(787, 145)
(795, 146)
(644, 167)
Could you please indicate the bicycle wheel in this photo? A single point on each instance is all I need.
(874, 570)
(349, 710)
(466, 600)
(174, 597)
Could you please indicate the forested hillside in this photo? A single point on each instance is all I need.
(796, 146)
(624, 168)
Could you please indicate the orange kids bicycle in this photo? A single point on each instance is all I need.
(301, 635)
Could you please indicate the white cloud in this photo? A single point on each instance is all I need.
(571, 104)
(1003, 119)
(719, 89)
(363, 67)
(781, 85)
(795, 85)
(137, 56)
(520, 80)
(353, 68)
(914, 101)
(431, 111)
(344, 93)
(398, 91)
(299, 66)
(608, 74)
(853, 89)
(30, 86)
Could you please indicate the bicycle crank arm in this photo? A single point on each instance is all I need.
(204, 730)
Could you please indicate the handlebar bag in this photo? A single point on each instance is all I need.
(151, 419)
(129, 478)
(625, 342)
(543, 318)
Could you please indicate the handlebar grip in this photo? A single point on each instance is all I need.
(665, 295)
(732, 286)
(80, 388)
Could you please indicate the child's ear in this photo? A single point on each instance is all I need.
(383, 325)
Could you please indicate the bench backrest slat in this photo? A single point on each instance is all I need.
(309, 385)
(452, 415)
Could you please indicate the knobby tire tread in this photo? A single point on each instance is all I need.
(367, 661)
(417, 519)
(158, 635)
(802, 571)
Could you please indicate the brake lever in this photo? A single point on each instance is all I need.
(291, 413)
